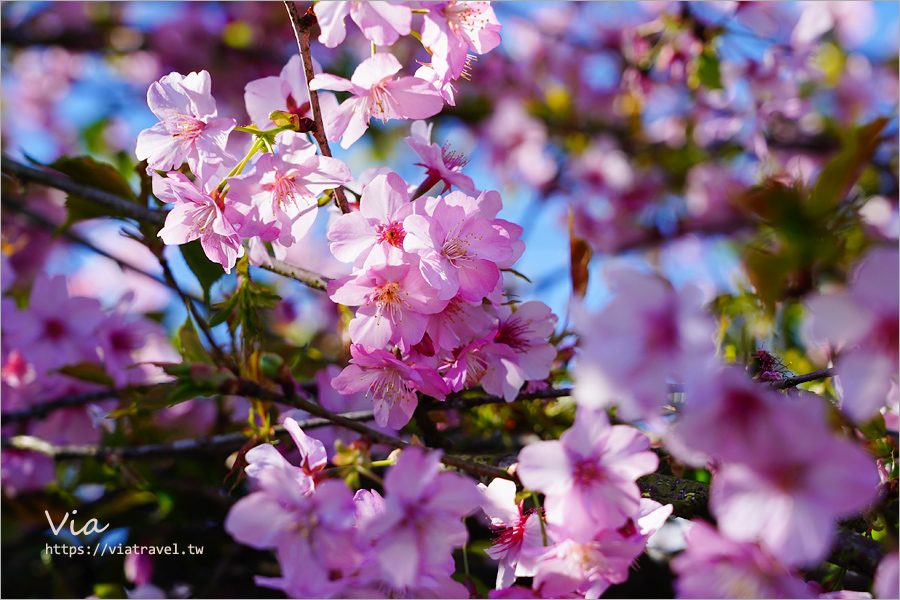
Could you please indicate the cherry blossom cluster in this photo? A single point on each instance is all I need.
(428, 285)
(596, 525)
(56, 331)
(331, 543)
(275, 201)
(776, 501)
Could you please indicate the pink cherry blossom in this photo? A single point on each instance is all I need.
(589, 474)
(55, 330)
(422, 518)
(459, 322)
(199, 215)
(394, 301)
(451, 29)
(376, 94)
(382, 23)
(591, 566)
(278, 195)
(525, 332)
(442, 164)
(862, 323)
(287, 92)
(383, 206)
(648, 334)
(789, 496)
(518, 535)
(715, 566)
(390, 384)
(188, 129)
(458, 253)
(886, 577)
(493, 365)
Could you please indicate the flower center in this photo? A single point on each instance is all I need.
(392, 233)
(455, 250)
(454, 161)
(387, 297)
(187, 128)
(588, 472)
(54, 329)
(380, 102)
(514, 334)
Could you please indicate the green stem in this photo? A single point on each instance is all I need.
(381, 463)
(537, 503)
(465, 554)
(256, 131)
(368, 473)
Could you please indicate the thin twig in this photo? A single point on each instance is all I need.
(202, 323)
(225, 440)
(61, 182)
(70, 235)
(246, 387)
(43, 407)
(301, 31)
(796, 380)
(313, 280)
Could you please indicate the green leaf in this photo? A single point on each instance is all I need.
(708, 70)
(191, 347)
(225, 309)
(206, 271)
(841, 172)
(109, 590)
(87, 171)
(88, 371)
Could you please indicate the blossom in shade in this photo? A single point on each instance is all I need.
(646, 335)
(590, 566)
(189, 130)
(55, 330)
(726, 416)
(442, 164)
(394, 301)
(389, 383)
(715, 566)
(451, 29)
(382, 23)
(376, 94)
(278, 195)
(459, 322)
(789, 495)
(862, 324)
(422, 518)
(310, 525)
(589, 474)
(887, 580)
(202, 215)
(517, 535)
(525, 332)
(383, 206)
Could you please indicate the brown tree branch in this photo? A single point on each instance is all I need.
(226, 440)
(796, 380)
(313, 280)
(61, 182)
(301, 30)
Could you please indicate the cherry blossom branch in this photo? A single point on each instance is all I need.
(61, 182)
(41, 408)
(796, 380)
(313, 280)
(225, 440)
(246, 387)
(42, 221)
(301, 31)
